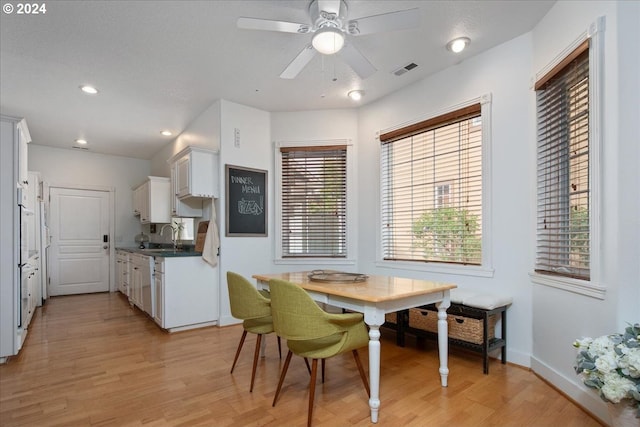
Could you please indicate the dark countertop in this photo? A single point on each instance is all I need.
(163, 251)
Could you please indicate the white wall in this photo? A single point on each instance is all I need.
(503, 72)
(63, 167)
(325, 125)
(244, 255)
(561, 316)
(202, 132)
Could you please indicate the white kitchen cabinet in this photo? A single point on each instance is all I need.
(14, 137)
(122, 272)
(158, 294)
(33, 221)
(33, 291)
(185, 208)
(141, 270)
(137, 200)
(195, 173)
(151, 199)
(24, 138)
(186, 293)
(135, 281)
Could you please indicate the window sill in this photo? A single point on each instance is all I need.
(568, 284)
(461, 270)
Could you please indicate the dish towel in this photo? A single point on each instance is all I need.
(211, 239)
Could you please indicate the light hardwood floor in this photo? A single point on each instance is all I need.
(91, 360)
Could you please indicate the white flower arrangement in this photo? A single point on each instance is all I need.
(611, 365)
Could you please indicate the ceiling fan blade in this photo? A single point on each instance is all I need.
(392, 21)
(356, 61)
(298, 63)
(268, 25)
(330, 6)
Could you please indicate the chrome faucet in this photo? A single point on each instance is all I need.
(173, 234)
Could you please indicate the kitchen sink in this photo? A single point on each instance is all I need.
(163, 250)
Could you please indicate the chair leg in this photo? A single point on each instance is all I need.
(312, 389)
(361, 370)
(255, 360)
(279, 349)
(306, 362)
(282, 375)
(323, 360)
(244, 335)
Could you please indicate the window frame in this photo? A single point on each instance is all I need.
(351, 192)
(485, 269)
(592, 287)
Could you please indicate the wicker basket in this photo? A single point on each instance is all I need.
(391, 318)
(462, 328)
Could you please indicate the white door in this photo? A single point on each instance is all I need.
(79, 222)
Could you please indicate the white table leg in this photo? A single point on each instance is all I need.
(443, 341)
(374, 371)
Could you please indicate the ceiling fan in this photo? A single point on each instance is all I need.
(330, 27)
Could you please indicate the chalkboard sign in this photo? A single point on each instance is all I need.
(246, 201)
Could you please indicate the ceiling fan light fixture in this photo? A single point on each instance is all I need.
(328, 40)
(458, 45)
(356, 95)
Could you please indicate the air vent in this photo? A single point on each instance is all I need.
(400, 71)
(80, 148)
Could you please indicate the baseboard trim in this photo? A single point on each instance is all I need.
(228, 320)
(583, 397)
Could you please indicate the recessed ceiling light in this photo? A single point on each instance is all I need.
(81, 141)
(166, 133)
(89, 89)
(459, 44)
(356, 95)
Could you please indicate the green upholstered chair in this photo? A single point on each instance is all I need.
(313, 333)
(254, 308)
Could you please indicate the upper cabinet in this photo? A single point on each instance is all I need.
(24, 137)
(183, 208)
(194, 179)
(151, 200)
(195, 172)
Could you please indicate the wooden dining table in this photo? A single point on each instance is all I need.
(374, 296)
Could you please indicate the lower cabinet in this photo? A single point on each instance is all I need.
(186, 293)
(122, 272)
(140, 281)
(30, 295)
(158, 293)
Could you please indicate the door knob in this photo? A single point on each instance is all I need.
(105, 247)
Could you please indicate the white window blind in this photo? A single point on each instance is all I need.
(562, 98)
(432, 190)
(314, 191)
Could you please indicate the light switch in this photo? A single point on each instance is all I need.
(236, 137)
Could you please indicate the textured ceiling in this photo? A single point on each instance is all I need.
(158, 64)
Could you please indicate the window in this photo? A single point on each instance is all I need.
(313, 201)
(563, 213)
(442, 195)
(183, 228)
(432, 189)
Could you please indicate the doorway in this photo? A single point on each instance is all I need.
(81, 235)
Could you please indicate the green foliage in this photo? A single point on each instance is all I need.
(579, 232)
(448, 234)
